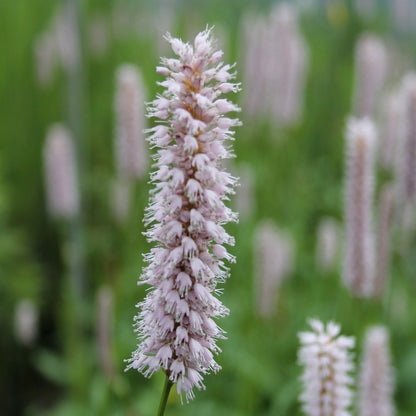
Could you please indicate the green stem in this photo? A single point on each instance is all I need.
(164, 398)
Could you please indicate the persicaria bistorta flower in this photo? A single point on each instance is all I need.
(185, 216)
(376, 376)
(327, 361)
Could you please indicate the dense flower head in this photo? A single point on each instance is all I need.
(327, 361)
(185, 216)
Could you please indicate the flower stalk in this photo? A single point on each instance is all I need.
(165, 395)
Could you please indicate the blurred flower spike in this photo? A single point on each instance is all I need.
(327, 362)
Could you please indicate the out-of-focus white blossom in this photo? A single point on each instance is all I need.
(45, 58)
(66, 30)
(26, 321)
(392, 129)
(406, 166)
(131, 153)
(60, 173)
(370, 73)
(120, 199)
(376, 375)
(274, 261)
(275, 62)
(328, 244)
(359, 183)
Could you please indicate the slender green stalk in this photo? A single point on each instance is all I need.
(164, 398)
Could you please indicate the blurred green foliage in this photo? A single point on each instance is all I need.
(298, 180)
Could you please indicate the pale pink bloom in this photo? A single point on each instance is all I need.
(104, 322)
(58, 44)
(274, 261)
(370, 73)
(26, 318)
(275, 62)
(98, 35)
(45, 57)
(385, 217)
(253, 48)
(60, 173)
(376, 376)
(287, 71)
(131, 154)
(359, 183)
(65, 26)
(185, 217)
(328, 363)
(328, 244)
(406, 166)
(392, 129)
(120, 199)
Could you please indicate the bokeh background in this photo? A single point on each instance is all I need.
(61, 280)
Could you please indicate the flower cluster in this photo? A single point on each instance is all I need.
(328, 362)
(186, 215)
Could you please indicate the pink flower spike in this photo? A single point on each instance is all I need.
(185, 217)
